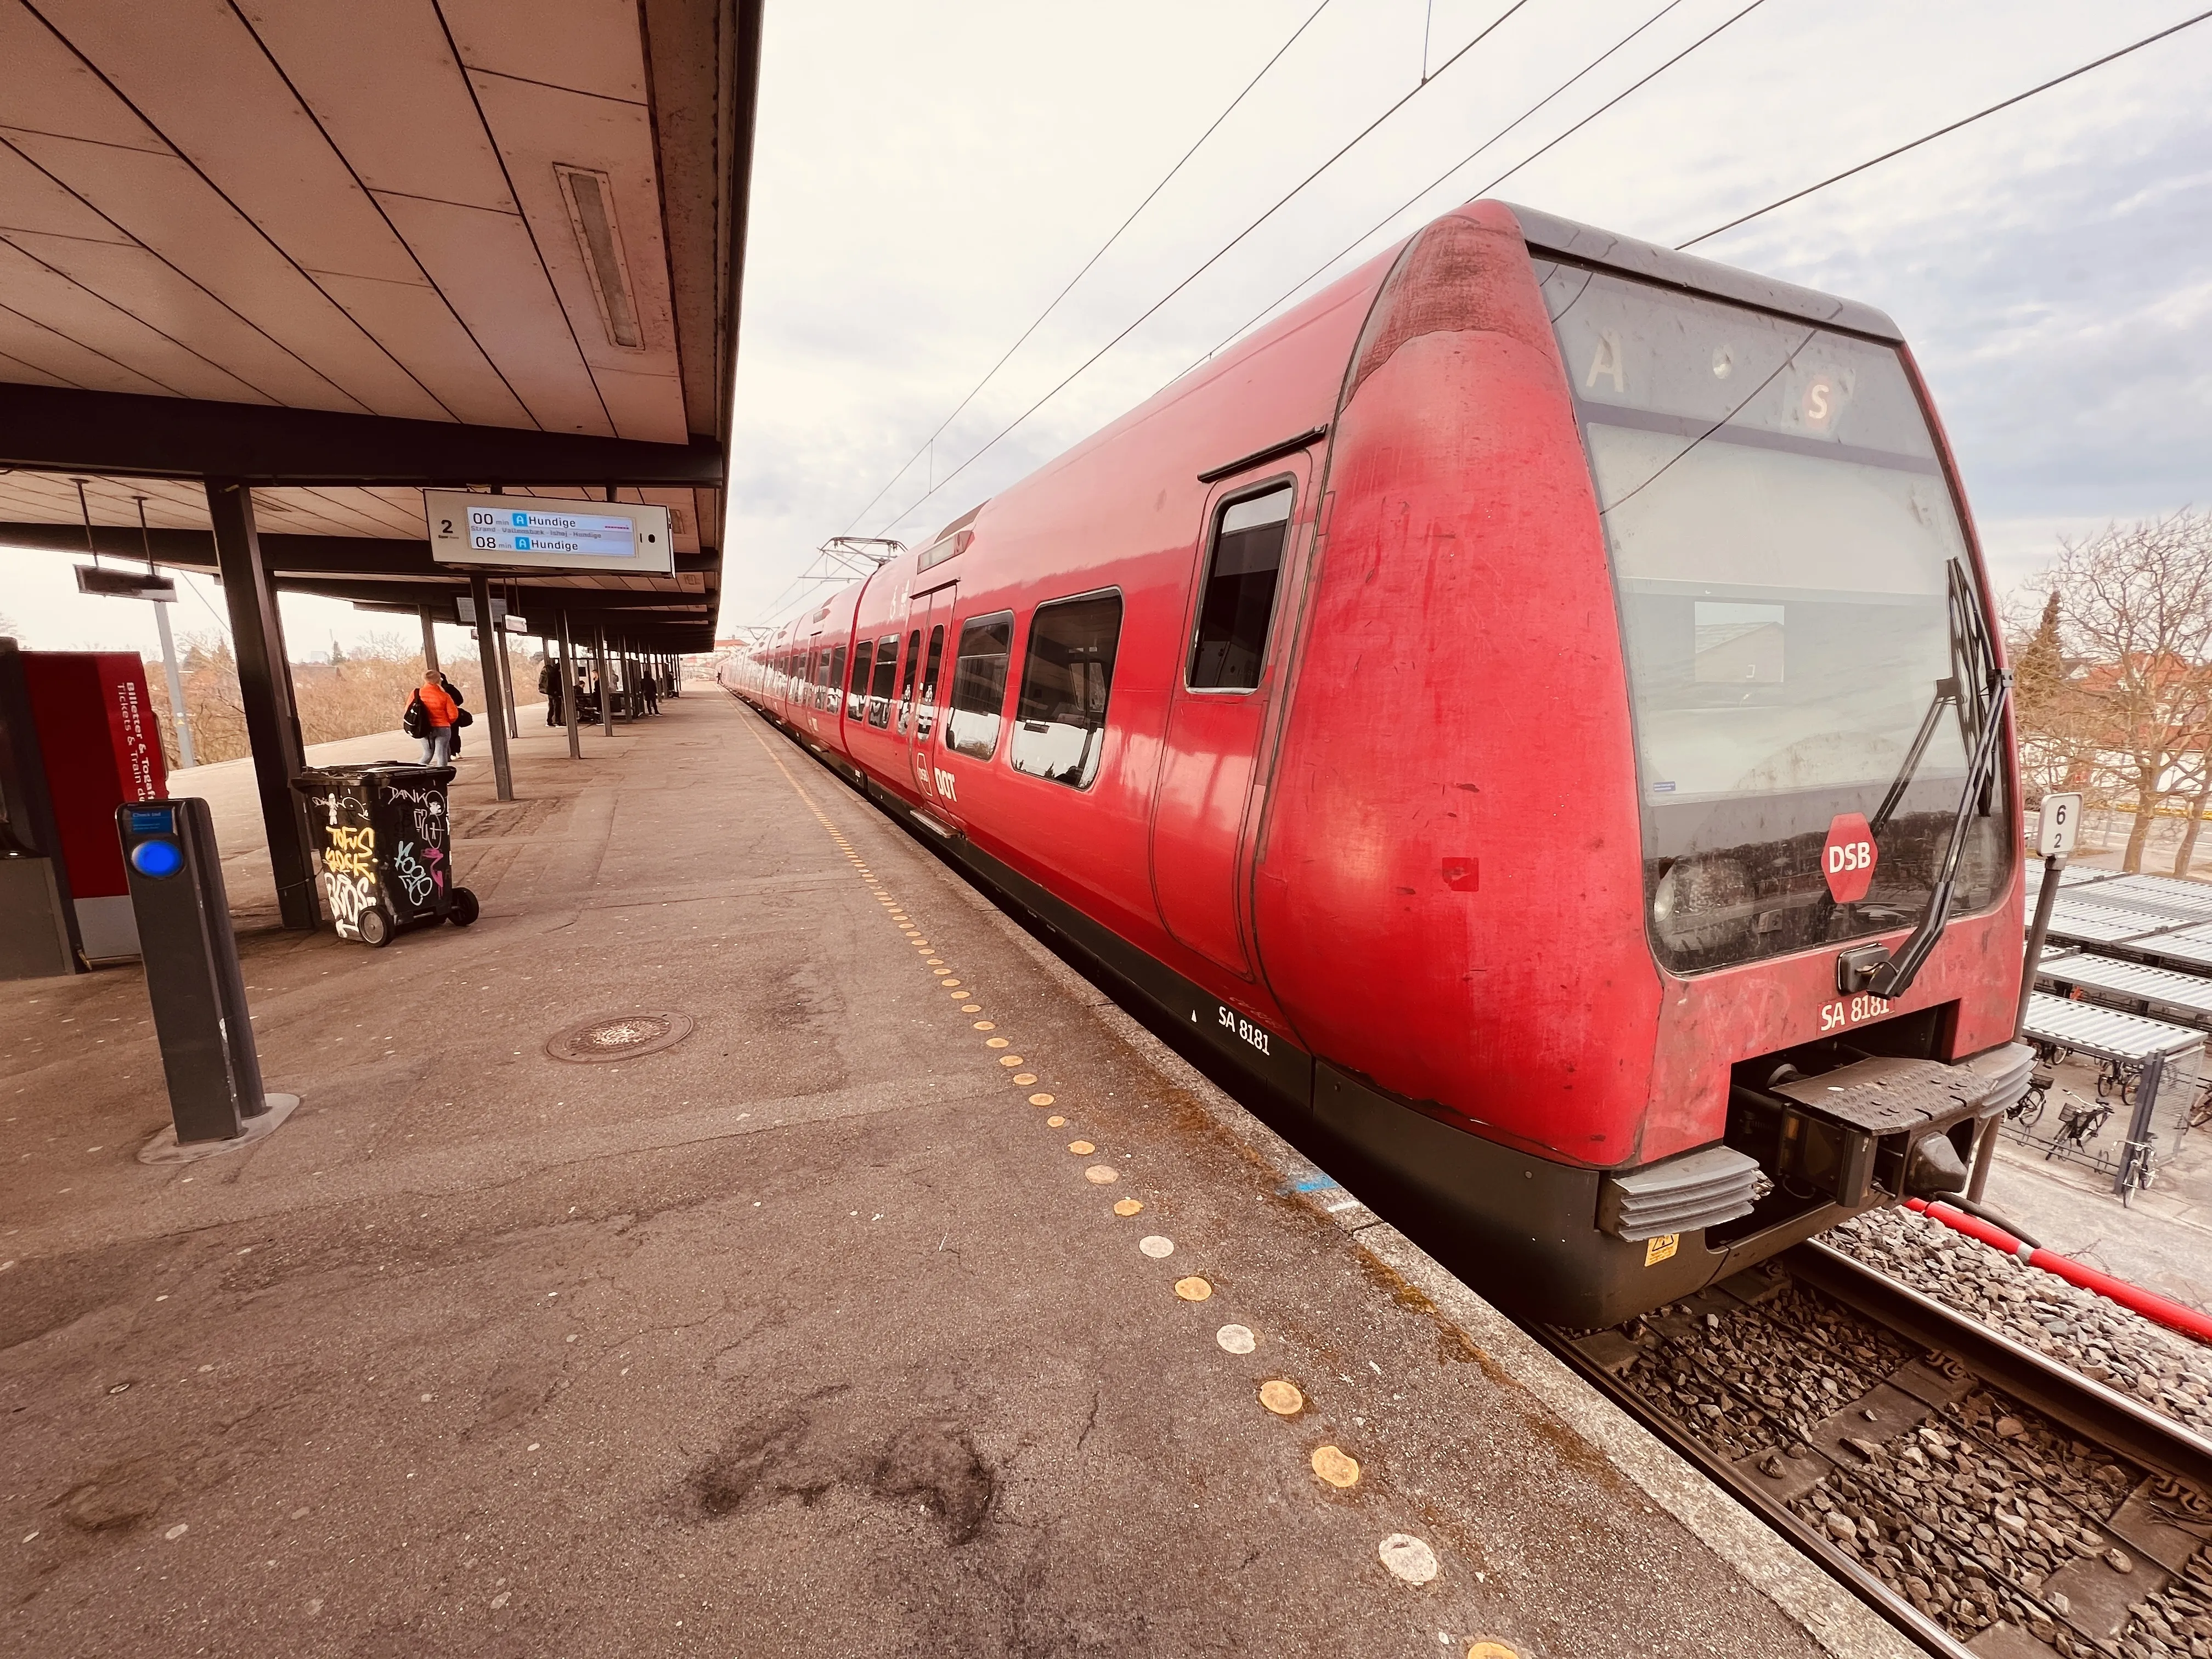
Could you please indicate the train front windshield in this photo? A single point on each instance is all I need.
(1787, 555)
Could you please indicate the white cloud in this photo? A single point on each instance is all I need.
(927, 179)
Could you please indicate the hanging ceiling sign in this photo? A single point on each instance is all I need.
(533, 532)
(111, 583)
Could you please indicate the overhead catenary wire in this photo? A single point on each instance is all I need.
(1485, 145)
(1216, 256)
(1891, 154)
(1166, 178)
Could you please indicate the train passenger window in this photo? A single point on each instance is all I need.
(1061, 722)
(906, 682)
(824, 677)
(831, 686)
(979, 685)
(927, 717)
(879, 688)
(1239, 596)
(856, 692)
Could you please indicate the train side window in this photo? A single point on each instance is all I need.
(906, 681)
(856, 691)
(1060, 724)
(879, 690)
(927, 716)
(1239, 597)
(818, 697)
(836, 683)
(979, 685)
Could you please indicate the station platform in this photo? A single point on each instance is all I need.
(873, 1285)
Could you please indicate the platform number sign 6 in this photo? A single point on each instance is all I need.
(2061, 820)
(1847, 857)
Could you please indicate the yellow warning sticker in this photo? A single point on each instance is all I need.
(1656, 1250)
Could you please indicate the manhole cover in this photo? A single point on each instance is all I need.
(622, 1037)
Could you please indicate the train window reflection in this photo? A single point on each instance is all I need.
(979, 685)
(906, 681)
(879, 690)
(856, 692)
(1239, 597)
(1060, 724)
(926, 717)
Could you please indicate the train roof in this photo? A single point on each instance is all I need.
(1548, 234)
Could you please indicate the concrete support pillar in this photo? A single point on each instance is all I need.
(488, 652)
(606, 683)
(264, 687)
(506, 683)
(178, 717)
(429, 638)
(568, 690)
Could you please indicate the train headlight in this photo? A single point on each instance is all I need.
(1701, 902)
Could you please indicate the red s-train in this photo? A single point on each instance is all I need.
(1535, 708)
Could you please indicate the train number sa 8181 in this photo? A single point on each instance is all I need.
(1244, 1029)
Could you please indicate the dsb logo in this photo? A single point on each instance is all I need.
(1848, 858)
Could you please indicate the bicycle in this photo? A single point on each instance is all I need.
(2027, 1110)
(2136, 1158)
(2078, 1123)
(2116, 1077)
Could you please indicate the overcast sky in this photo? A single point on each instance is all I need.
(928, 177)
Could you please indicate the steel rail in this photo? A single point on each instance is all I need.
(2059, 1392)
(1793, 1530)
(2102, 1414)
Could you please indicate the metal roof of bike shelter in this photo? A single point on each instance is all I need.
(277, 267)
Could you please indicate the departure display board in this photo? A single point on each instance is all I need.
(536, 533)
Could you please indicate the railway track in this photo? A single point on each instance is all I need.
(1985, 1500)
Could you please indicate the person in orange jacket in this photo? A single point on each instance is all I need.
(440, 715)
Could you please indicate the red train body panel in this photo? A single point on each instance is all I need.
(1327, 696)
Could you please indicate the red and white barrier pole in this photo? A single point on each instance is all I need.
(2174, 1315)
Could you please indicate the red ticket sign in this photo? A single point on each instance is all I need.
(1847, 860)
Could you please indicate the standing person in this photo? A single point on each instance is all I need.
(440, 715)
(648, 687)
(548, 685)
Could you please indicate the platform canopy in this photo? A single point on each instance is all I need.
(337, 254)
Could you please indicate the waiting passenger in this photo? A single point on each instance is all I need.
(432, 716)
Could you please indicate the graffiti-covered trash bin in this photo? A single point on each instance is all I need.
(387, 853)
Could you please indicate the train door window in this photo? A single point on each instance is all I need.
(856, 691)
(906, 681)
(979, 685)
(1060, 724)
(1239, 596)
(834, 684)
(927, 716)
(824, 672)
(879, 690)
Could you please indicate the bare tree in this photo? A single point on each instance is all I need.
(2134, 609)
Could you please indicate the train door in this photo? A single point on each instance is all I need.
(1202, 810)
(930, 621)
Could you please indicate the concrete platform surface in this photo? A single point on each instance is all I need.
(817, 1333)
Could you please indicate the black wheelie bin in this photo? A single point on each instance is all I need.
(386, 849)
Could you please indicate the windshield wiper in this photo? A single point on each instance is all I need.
(1872, 967)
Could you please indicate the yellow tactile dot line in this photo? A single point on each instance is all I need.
(1330, 1464)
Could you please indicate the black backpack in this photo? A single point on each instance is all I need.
(416, 722)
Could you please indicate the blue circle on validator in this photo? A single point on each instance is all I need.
(158, 858)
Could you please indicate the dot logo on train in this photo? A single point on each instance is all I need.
(1848, 858)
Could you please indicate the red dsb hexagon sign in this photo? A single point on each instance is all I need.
(1848, 858)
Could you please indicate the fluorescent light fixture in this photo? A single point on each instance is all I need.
(590, 198)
